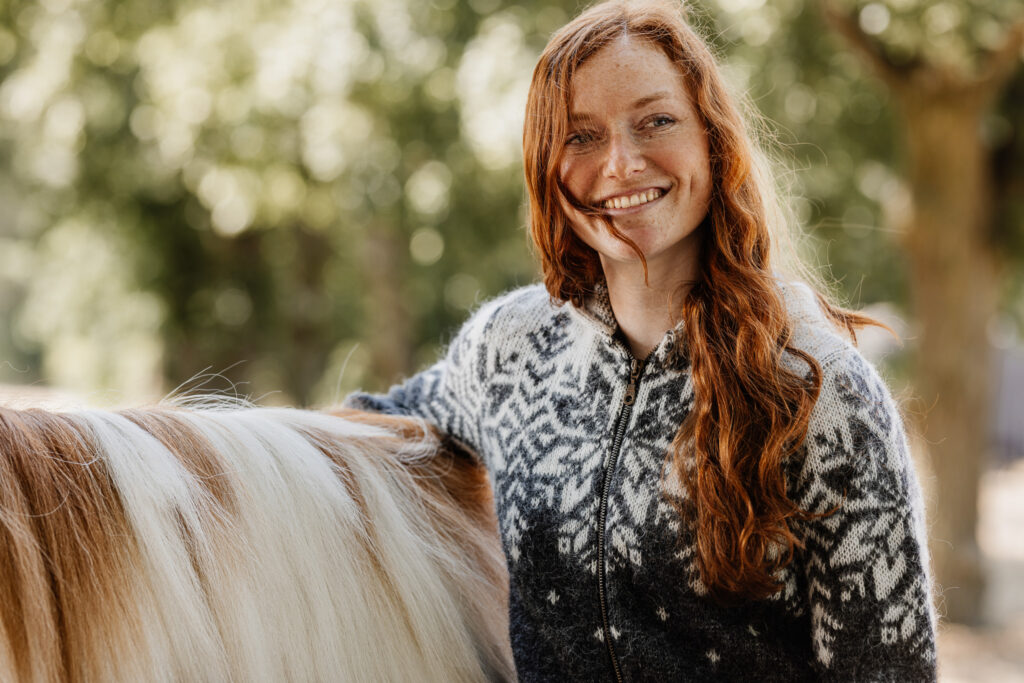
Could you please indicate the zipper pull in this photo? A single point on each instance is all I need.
(634, 375)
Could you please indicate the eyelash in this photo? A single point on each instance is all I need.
(666, 120)
(581, 138)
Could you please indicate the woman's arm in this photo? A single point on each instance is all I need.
(866, 564)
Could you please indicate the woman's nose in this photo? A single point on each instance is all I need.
(624, 157)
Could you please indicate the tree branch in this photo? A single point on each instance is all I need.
(1001, 64)
(870, 50)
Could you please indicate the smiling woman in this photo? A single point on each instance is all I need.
(697, 476)
(638, 153)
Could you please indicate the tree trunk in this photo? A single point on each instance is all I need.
(953, 286)
(386, 315)
(307, 315)
(953, 283)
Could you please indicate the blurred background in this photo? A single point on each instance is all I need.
(290, 200)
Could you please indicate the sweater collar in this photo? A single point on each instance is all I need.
(598, 308)
(597, 314)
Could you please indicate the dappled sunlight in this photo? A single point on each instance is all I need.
(246, 121)
(492, 81)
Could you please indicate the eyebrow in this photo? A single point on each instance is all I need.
(638, 104)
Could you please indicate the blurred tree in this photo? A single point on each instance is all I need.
(942, 101)
(297, 186)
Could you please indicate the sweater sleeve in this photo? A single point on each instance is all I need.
(866, 558)
(448, 394)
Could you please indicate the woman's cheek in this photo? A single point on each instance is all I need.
(569, 177)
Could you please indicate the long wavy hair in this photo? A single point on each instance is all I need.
(751, 411)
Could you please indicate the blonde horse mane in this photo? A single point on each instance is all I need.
(244, 544)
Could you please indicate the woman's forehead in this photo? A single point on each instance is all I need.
(629, 73)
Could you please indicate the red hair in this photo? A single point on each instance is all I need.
(751, 413)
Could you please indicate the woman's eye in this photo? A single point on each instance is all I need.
(581, 138)
(659, 121)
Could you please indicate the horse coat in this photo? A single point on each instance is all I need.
(244, 544)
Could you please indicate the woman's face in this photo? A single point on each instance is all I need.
(637, 151)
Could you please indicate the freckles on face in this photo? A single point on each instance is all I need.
(636, 151)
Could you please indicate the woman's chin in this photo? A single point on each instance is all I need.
(623, 259)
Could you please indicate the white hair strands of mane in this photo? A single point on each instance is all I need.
(244, 544)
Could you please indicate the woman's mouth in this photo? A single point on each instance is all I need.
(631, 201)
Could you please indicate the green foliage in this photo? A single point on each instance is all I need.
(307, 196)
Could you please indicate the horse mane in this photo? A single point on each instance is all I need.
(245, 543)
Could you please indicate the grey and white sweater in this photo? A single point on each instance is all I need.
(603, 582)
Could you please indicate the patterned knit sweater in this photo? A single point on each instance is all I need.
(603, 581)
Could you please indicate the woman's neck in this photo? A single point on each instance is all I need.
(646, 311)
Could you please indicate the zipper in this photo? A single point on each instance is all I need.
(635, 367)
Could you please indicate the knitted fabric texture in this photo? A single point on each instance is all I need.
(537, 391)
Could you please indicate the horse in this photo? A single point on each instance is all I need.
(238, 543)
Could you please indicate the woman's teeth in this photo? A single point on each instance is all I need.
(632, 200)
